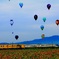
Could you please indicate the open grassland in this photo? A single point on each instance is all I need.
(30, 53)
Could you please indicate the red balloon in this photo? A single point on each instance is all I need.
(57, 22)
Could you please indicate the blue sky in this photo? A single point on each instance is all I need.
(24, 24)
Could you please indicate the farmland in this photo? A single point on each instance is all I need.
(30, 53)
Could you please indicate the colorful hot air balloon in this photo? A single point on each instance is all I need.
(16, 37)
(57, 22)
(48, 6)
(11, 22)
(44, 19)
(21, 5)
(42, 27)
(43, 35)
(35, 17)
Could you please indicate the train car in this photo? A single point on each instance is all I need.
(8, 46)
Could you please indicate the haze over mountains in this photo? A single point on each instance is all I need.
(47, 40)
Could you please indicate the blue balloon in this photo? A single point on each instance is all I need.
(42, 27)
(11, 22)
(49, 6)
(44, 19)
(21, 5)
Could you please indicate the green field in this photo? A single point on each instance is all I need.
(30, 53)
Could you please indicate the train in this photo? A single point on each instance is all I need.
(6, 46)
(9, 46)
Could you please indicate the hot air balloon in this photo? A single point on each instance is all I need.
(48, 6)
(42, 27)
(57, 22)
(43, 35)
(44, 19)
(12, 32)
(21, 5)
(35, 17)
(16, 37)
(11, 22)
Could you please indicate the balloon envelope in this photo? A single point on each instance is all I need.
(16, 37)
(44, 19)
(12, 32)
(21, 5)
(43, 35)
(57, 22)
(48, 6)
(42, 27)
(11, 22)
(35, 17)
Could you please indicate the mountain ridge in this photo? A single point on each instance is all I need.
(47, 40)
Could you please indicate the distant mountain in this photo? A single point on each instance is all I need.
(47, 40)
(4, 43)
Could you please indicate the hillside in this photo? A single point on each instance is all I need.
(47, 40)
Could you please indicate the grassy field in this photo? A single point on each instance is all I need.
(30, 53)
